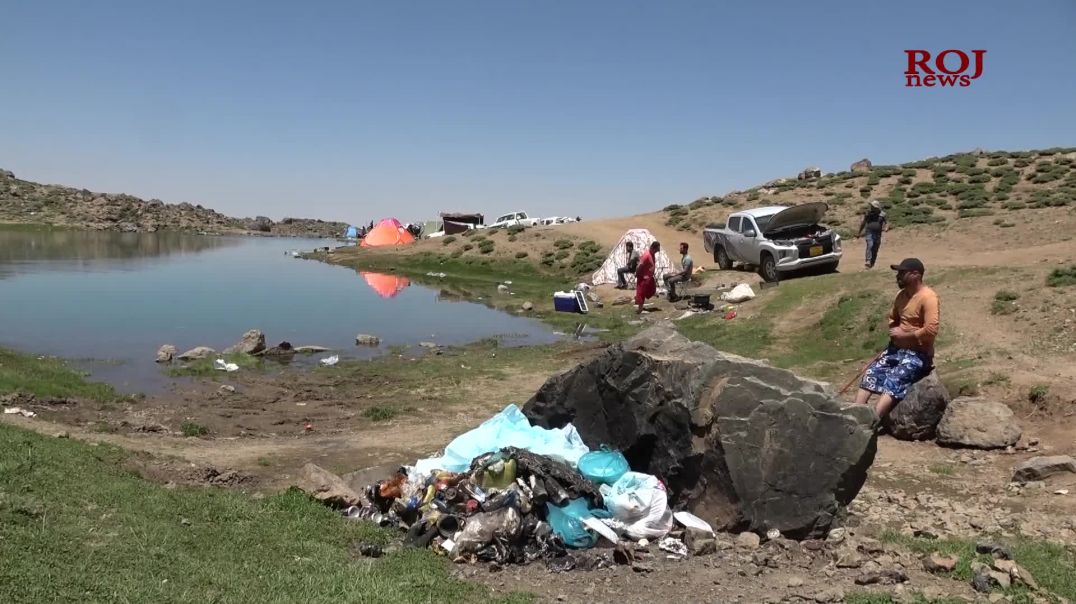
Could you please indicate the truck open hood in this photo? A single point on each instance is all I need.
(801, 215)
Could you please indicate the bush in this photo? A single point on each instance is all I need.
(589, 247)
(873, 179)
(1004, 302)
(905, 180)
(485, 247)
(1022, 163)
(456, 254)
(1062, 277)
(561, 254)
(468, 247)
(521, 255)
(753, 196)
(905, 215)
(449, 240)
(511, 238)
(999, 161)
(966, 161)
(563, 244)
(672, 207)
(1037, 394)
(979, 179)
(908, 173)
(191, 429)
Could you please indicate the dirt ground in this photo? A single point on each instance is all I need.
(273, 423)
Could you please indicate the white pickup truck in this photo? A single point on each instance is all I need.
(513, 219)
(776, 239)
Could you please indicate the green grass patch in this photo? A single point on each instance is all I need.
(48, 377)
(745, 337)
(76, 525)
(942, 469)
(204, 367)
(191, 429)
(1053, 566)
(1037, 394)
(1062, 277)
(852, 328)
(1004, 302)
(380, 413)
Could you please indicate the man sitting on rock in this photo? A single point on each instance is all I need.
(687, 267)
(913, 325)
(629, 268)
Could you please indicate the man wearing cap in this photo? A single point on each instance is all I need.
(873, 223)
(913, 325)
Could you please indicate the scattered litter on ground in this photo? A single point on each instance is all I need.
(738, 294)
(508, 492)
(19, 411)
(1061, 492)
(690, 520)
(730, 315)
(330, 360)
(222, 365)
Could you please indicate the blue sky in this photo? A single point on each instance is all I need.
(355, 110)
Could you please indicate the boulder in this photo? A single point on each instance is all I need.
(367, 340)
(326, 487)
(863, 165)
(166, 353)
(1040, 468)
(528, 306)
(198, 352)
(979, 424)
(737, 442)
(917, 416)
(252, 342)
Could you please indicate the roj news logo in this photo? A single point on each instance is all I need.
(947, 68)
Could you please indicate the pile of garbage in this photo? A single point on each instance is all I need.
(508, 492)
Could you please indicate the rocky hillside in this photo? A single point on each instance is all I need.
(23, 201)
(935, 190)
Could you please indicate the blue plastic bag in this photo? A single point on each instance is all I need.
(567, 523)
(603, 466)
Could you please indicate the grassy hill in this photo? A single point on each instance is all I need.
(23, 201)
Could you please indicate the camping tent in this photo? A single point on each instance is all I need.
(388, 232)
(386, 286)
(641, 239)
(352, 232)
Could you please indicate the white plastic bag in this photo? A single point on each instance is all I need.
(330, 360)
(640, 502)
(221, 365)
(740, 293)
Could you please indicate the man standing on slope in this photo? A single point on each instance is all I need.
(687, 266)
(645, 284)
(913, 325)
(873, 224)
(629, 268)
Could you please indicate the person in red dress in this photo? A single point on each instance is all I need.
(646, 285)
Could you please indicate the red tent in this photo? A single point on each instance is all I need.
(386, 286)
(387, 232)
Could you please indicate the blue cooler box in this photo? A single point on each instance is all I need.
(573, 301)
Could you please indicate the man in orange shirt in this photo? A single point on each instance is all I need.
(913, 325)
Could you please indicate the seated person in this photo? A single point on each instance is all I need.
(687, 266)
(629, 268)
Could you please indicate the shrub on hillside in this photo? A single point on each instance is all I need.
(449, 240)
(468, 247)
(521, 255)
(1062, 277)
(998, 161)
(561, 254)
(671, 207)
(486, 246)
(1004, 302)
(516, 229)
(563, 244)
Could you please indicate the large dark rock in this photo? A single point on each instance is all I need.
(738, 442)
(917, 416)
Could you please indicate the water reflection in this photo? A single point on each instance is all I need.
(83, 250)
(386, 286)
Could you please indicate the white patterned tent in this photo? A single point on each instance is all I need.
(641, 239)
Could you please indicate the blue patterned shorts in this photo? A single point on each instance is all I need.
(895, 371)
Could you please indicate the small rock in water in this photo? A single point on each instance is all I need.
(166, 353)
(367, 340)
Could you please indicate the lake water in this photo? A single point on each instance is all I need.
(109, 300)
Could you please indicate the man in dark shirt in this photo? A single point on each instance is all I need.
(629, 268)
(873, 224)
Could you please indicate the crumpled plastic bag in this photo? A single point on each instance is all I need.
(740, 293)
(640, 504)
(509, 428)
(482, 528)
(603, 466)
(567, 523)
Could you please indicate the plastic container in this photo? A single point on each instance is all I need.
(603, 466)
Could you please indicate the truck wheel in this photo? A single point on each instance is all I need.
(768, 268)
(721, 257)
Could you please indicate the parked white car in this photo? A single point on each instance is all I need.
(775, 239)
(514, 219)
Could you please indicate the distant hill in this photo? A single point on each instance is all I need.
(22, 201)
(934, 190)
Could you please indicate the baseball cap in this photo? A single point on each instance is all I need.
(910, 264)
